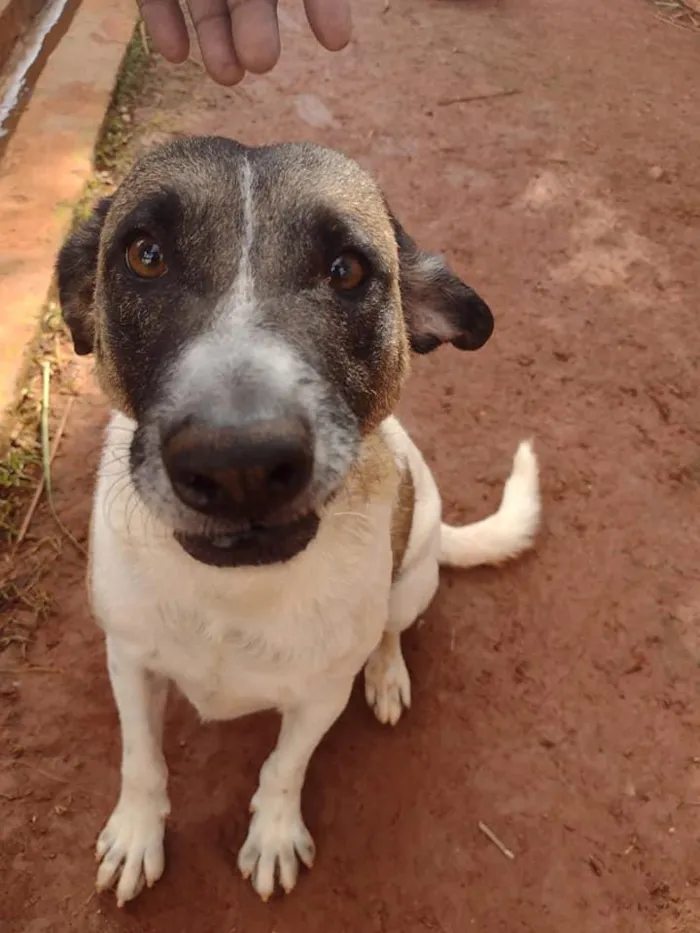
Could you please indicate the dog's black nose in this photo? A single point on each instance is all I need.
(243, 473)
(477, 323)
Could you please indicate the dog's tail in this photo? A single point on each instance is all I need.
(506, 533)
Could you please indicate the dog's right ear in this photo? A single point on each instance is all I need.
(76, 269)
(438, 306)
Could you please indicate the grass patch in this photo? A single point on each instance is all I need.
(20, 465)
(117, 128)
(111, 149)
(20, 462)
(23, 464)
(18, 472)
(23, 565)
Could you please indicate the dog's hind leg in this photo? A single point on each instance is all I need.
(387, 682)
(501, 536)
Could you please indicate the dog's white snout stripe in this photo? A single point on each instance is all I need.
(243, 290)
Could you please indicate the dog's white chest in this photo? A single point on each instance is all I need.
(227, 670)
(239, 642)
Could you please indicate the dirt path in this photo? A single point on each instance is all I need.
(557, 700)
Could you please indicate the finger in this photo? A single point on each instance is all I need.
(165, 25)
(330, 21)
(213, 25)
(256, 35)
(218, 53)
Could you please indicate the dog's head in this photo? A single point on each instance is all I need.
(252, 310)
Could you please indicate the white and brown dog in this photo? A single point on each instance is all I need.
(263, 527)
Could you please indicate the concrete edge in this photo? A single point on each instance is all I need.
(16, 19)
(43, 174)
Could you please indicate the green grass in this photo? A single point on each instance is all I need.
(22, 600)
(18, 471)
(116, 131)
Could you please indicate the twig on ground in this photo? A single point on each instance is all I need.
(30, 669)
(60, 779)
(46, 452)
(449, 101)
(24, 527)
(682, 14)
(143, 35)
(490, 834)
(85, 903)
(45, 774)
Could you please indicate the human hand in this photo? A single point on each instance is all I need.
(236, 36)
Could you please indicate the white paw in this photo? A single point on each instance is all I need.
(277, 840)
(130, 848)
(387, 684)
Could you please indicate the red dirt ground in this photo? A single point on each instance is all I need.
(557, 700)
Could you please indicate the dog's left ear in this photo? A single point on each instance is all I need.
(76, 269)
(438, 306)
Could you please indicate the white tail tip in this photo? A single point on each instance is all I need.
(510, 530)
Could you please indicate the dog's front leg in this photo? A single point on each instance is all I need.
(130, 846)
(277, 837)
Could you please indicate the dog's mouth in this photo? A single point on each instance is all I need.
(255, 546)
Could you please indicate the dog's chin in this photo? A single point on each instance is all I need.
(257, 546)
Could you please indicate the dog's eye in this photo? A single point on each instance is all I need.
(347, 272)
(144, 257)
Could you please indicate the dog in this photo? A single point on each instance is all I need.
(263, 527)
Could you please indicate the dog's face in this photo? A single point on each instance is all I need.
(252, 310)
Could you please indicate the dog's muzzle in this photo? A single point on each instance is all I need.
(248, 476)
(242, 473)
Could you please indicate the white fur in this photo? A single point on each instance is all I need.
(244, 286)
(509, 531)
(289, 636)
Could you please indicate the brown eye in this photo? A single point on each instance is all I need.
(145, 258)
(347, 272)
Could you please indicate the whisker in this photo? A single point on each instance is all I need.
(348, 514)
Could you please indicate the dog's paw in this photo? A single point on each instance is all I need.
(387, 682)
(277, 840)
(130, 849)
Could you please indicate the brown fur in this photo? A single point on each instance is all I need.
(402, 519)
(374, 477)
(376, 474)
